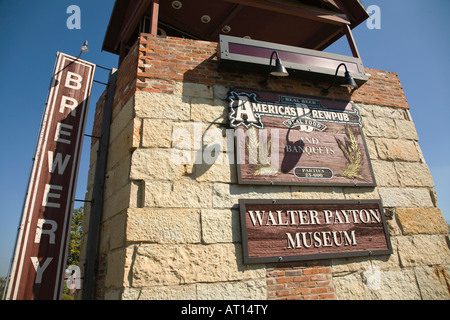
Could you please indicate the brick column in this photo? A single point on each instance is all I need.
(300, 281)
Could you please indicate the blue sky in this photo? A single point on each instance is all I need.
(413, 41)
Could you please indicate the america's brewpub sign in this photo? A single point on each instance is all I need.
(296, 230)
(298, 140)
(37, 270)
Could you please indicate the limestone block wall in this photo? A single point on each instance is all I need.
(171, 225)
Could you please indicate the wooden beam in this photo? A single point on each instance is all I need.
(343, 8)
(331, 3)
(351, 41)
(135, 18)
(225, 20)
(122, 52)
(327, 37)
(154, 17)
(306, 12)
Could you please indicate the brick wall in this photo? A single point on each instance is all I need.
(164, 61)
(300, 281)
(96, 128)
(125, 88)
(383, 88)
(171, 231)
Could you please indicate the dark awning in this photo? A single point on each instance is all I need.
(311, 24)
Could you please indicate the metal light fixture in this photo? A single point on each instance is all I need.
(84, 48)
(348, 82)
(279, 70)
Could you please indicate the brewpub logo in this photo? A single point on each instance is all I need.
(305, 114)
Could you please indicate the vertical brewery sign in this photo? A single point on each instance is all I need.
(39, 259)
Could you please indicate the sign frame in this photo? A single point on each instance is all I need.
(248, 259)
(241, 160)
(39, 260)
(239, 54)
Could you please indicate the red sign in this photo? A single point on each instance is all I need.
(296, 230)
(37, 271)
(288, 139)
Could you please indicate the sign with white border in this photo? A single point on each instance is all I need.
(37, 271)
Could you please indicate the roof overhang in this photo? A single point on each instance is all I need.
(310, 24)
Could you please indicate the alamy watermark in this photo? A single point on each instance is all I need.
(374, 21)
(74, 20)
(372, 278)
(73, 282)
(194, 145)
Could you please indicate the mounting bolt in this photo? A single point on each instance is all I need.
(206, 19)
(177, 5)
(226, 29)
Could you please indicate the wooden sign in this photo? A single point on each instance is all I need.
(298, 140)
(296, 230)
(38, 267)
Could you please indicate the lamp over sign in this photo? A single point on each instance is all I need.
(348, 82)
(279, 70)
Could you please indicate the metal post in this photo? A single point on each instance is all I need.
(95, 218)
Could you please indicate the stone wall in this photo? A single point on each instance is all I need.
(171, 228)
